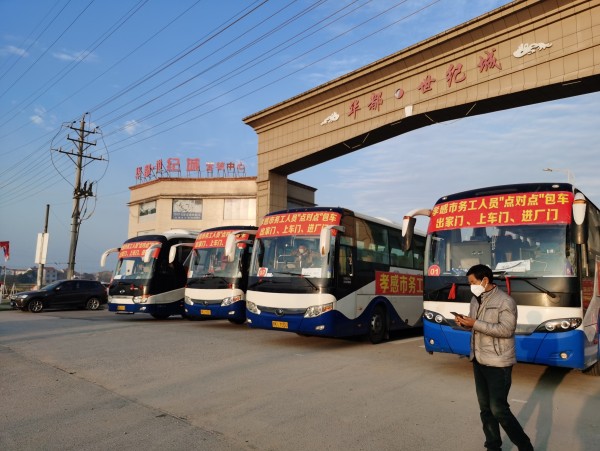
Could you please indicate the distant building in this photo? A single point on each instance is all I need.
(200, 203)
(52, 274)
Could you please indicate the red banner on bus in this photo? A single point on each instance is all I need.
(398, 284)
(503, 210)
(137, 249)
(306, 223)
(216, 238)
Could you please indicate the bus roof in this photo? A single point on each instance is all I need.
(164, 236)
(232, 227)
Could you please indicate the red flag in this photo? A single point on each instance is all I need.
(452, 294)
(5, 246)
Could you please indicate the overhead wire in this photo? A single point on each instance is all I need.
(153, 135)
(32, 42)
(276, 68)
(15, 130)
(207, 38)
(20, 76)
(237, 87)
(245, 12)
(241, 68)
(209, 68)
(242, 14)
(96, 43)
(82, 57)
(127, 55)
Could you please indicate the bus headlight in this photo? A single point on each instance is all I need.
(230, 300)
(252, 307)
(188, 300)
(559, 325)
(316, 310)
(434, 317)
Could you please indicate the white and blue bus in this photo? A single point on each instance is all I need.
(332, 272)
(542, 241)
(148, 277)
(218, 274)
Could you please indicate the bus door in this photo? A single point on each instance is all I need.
(346, 258)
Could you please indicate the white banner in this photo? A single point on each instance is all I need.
(41, 248)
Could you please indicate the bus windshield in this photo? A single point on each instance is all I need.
(295, 255)
(527, 250)
(134, 268)
(212, 261)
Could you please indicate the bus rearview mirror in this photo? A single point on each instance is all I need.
(106, 254)
(408, 230)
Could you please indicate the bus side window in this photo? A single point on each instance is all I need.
(406, 259)
(366, 255)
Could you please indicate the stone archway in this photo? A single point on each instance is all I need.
(525, 52)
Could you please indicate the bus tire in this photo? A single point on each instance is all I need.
(593, 370)
(378, 325)
(160, 315)
(237, 321)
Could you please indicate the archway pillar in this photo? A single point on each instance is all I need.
(271, 193)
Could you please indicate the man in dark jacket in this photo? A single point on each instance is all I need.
(492, 320)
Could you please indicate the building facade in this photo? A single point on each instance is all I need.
(201, 203)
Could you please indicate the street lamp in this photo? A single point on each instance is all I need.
(570, 176)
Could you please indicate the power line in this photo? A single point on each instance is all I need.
(33, 41)
(83, 55)
(20, 77)
(217, 81)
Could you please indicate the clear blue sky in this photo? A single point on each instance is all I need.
(175, 78)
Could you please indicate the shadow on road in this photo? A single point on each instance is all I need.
(542, 400)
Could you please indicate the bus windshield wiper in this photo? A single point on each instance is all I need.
(310, 282)
(528, 281)
(287, 273)
(263, 280)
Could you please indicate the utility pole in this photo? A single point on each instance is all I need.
(78, 192)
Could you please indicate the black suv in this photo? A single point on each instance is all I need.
(88, 294)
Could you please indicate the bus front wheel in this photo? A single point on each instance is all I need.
(378, 325)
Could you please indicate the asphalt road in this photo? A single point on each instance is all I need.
(96, 381)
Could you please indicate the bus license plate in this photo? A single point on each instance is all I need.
(120, 307)
(205, 312)
(280, 324)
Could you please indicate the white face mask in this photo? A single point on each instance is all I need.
(478, 290)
